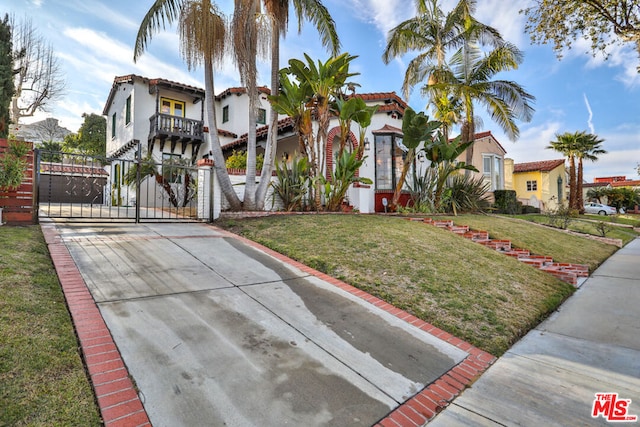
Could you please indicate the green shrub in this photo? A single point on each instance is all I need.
(13, 165)
(506, 202)
(238, 160)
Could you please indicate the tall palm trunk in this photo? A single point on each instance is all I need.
(572, 183)
(580, 196)
(272, 135)
(219, 163)
(468, 134)
(250, 185)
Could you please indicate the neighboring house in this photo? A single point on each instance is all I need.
(72, 183)
(539, 184)
(488, 158)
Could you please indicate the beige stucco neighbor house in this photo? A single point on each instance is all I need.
(539, 184)
(488, 158)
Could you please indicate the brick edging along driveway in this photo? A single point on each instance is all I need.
(118, 400)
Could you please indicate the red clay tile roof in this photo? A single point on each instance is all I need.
(66, 169)
(284, 125)
(628, 183)
(240, 91)
(130, 78)
(543, 166)
(387, 129)
(227, 133)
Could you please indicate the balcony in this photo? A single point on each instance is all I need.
(165, 127)
(175, 128)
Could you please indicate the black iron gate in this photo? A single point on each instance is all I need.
(82, 187)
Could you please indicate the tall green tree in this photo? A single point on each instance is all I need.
(91, 138)
(469, 79)
(433, 34)
(567, 144)
(202, 37)
(278, 11)
(6, 75)
(603, 22)
(589, 148)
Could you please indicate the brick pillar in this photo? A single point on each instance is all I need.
(209, 202)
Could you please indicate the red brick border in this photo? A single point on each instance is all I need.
(425, 405)
(117, 398)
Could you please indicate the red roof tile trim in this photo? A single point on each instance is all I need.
(543, 166)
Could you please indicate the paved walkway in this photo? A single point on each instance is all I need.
(551, 376)
(188, 325)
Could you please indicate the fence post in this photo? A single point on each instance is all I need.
(208, 193)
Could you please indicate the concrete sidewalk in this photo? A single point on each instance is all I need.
(550, 377)
(211, 329)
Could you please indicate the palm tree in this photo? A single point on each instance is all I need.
(588, 148)
(430, 31)
(567, 144)
(469, 80)
(202, 35)
(278, 12)
(250, 40)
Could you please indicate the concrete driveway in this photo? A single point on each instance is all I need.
(216, 331)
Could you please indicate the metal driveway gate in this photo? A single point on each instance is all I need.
(77, 186)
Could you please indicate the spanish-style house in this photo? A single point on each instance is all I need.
(164, 118)
(538, 184)
(167, 120)
(382, 146)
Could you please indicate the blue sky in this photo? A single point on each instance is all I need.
(94, 41)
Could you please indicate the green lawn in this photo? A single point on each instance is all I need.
(42, 377)
(617, 227)
(472, 292)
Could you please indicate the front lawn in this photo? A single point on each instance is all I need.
(42, 377)
(472, 292)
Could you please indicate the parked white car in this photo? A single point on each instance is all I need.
(600, 209)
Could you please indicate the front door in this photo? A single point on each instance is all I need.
(173, 108)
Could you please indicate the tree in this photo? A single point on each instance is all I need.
(51, 151)
(469, 80)
(416, 129)
(38, 78)
(431, 32)
(567, 144)
(324, 82)
(91, 139)
(603, 22)
(250, 40)
(46, 130)
(278, 12)
(442, 154)
(588, 148)
(6, 75)
(202, 37)
(597, 193)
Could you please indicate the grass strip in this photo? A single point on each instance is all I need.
(42, 378)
